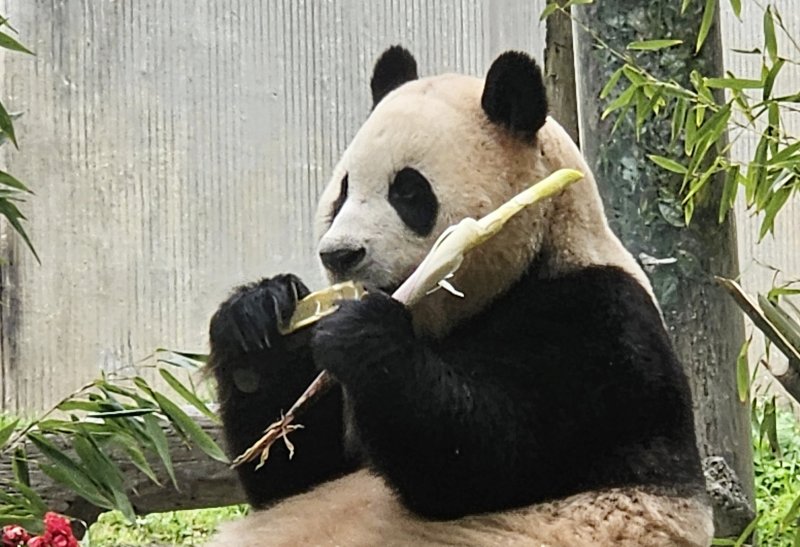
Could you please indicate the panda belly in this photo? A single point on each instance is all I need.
(358, 510)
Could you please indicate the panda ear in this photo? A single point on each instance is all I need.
(394, 67)
(514, 95)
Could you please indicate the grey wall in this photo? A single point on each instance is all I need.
(177, 149)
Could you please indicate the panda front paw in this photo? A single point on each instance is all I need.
(363, 338)
(249, 320)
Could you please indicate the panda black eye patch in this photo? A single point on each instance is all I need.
(412, 197)
(340, 199)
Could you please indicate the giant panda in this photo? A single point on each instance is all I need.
(544, 407)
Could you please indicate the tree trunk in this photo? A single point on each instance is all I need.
(706, 327)
(559, 70)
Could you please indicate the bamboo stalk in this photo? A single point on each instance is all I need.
(442, 261)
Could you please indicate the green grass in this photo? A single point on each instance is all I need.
(172, 528)
(778, 485)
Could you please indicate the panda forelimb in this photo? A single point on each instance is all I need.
(437, 267)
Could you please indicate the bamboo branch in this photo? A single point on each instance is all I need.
(442, 261)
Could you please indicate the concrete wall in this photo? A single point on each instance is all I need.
(177, 149)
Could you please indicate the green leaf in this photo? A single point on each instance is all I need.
(678, 117)
(743, 371)
(104, 472)
(69, 472)
(782, 321)
(793, 513)
(190, 428)
(757, 172)
(6, 431)
(623, 99)
(611, 83)
(668, 164)
(136, 456)
(652, 45)
(78, 484)
(187, 394)
(8, 42)
(685, 5)
(14, 216)
(733, 83)
(736, 6)
(769, 80)
(129, 412)
(776, 292)
(19, 466)
(770, 426)
(770, 41)
(8, 180)
(705, 24)
(773, 207)
(35, 501)
(7, 126)
(688, 211)
(728, 198)
(161, 446)
(548, 10)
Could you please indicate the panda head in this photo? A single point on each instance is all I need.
(438, 149)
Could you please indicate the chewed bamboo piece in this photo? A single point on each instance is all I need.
(442, 261)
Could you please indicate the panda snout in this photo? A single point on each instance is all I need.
(343, 260)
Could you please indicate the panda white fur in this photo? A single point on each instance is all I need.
(546, 407)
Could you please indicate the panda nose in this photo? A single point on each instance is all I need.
(340, 261)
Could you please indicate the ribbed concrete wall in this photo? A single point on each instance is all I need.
(177, 149)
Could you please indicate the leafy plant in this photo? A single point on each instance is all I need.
(72, 442)
(12, 191)
(711, 113)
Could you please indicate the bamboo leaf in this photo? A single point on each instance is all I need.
(755, 313)
(7, 430)
(69, 472)
(743, 371)
(14, 216)
(611, 83)
(770, 40)
(19, 466)
(161, 446)
(653, 45)
(705, 23)
(733, 83)
(190, 428)
(136, 456)
(668, 164)
(130, 412)
(728, 192)
(678, 118)
(782, 321)
(8, 180)
(6, 125)
(769, 80)
(7, 42)
(623, 99)
(187, 394)
(548, 10)
(736, 6)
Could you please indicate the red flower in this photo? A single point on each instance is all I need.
(39, 541)
(15, 536)
(58, 531)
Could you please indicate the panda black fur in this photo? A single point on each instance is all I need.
(546, 407)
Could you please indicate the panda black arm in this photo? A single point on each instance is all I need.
(471, 423)
(260, 373)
